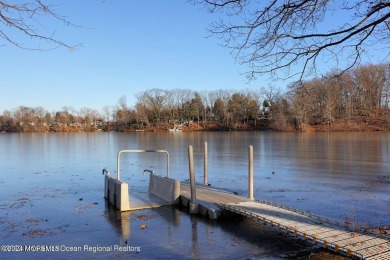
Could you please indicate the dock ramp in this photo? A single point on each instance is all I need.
(162, 190)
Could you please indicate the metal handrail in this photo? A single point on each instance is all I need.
(149, 171)
(105, 171)
(140, 151)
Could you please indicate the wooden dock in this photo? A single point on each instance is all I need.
(334, 236)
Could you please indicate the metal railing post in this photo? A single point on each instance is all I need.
(250, 173)
(118, 165)
(205, 176)
(193, 207)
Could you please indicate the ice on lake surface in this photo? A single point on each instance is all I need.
(51, 190)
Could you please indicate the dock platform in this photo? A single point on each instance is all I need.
(209, 199)
(319, 231)
(215, 203)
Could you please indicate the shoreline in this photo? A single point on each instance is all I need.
(352, 130)
(209, 127)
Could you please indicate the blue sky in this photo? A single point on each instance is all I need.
(128, 47)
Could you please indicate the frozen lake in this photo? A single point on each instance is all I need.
(51, 190)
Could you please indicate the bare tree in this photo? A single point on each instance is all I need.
(122, 113)
(40, 115)
(108, 113)
(156, 99)
(7, 122)
(141, 114)
(90, 117)
(291, 38)
(28, 18)
(371, 80)
(178, 97)
(122, 103)
(23, 117)
(183, 99)
(271, 93)
(206, 99)
(170, 106)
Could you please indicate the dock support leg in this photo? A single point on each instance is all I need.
(205, 176)
(250, 173)
(193, 206)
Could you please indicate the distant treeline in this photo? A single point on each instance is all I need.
(357, 100)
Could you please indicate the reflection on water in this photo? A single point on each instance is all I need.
(171, 232)
(343, 176)
(120, 221)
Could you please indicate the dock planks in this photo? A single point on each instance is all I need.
(317, 230)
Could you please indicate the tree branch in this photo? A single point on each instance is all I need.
(22, 16)
(272, 36)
